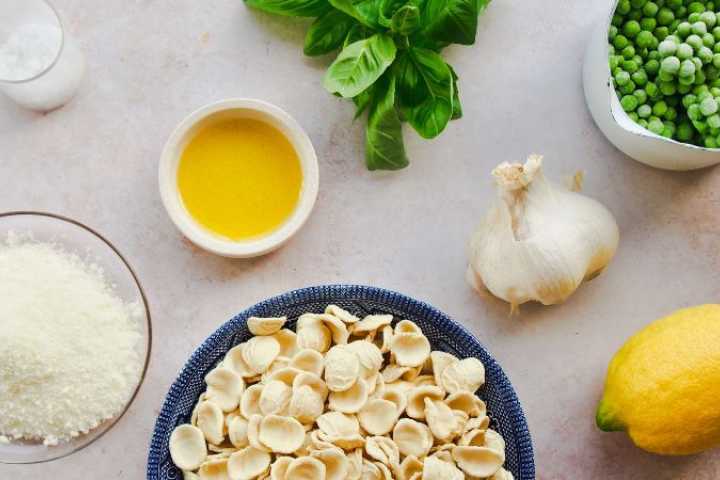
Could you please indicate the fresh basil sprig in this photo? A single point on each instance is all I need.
(389, 62)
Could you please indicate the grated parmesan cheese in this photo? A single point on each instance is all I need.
(69, 356)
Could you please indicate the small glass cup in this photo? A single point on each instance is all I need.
(41, 66)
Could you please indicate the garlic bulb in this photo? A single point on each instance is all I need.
(539, 241)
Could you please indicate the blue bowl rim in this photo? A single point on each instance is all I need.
(320, 293)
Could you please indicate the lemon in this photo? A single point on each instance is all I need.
(663, 385)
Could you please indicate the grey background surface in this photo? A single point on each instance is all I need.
(153, 61)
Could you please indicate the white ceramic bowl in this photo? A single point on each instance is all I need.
(237, 108)
(634, 140)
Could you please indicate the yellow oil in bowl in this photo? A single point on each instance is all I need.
(240, 178)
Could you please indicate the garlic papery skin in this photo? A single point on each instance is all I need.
(539, 241)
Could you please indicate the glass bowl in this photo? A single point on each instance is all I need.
(77, 238)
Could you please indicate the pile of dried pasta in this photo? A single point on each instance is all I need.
(342, 398)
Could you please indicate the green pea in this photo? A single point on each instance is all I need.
(684, 51)
(667, 48)
(630, 66)
(671, 114)
(622, 78)
(661, 33)
(629, 103)
(628, 52)
(656, 125)
(694, 17)
(634, 15)
(687, 69)
(708, 40)
(640, 78)
(640, 121)
(712, 72)
(685, 88)
(693, 112)
(700, 77)
(648, 24)
(716, 33)
(644, 111)
(696, 7)
(660, 108)
(701, 90)
(684, 29)
(641, 96)
(705, 55)
(687, 81)
(714, 121)
(632, 28)
(652, 67)
(652, 90)
(624, 7)
(708, 106)
(644, 39)
(715, 92)
(688, 100)
(668, 88)
(650, 9)
(621, 41)
(654, 54)
(684, 131)
(628, 88)
(674, 4)
(670, 65)
(698, 63)
(617, 20)
(708, 18)
(716, 48)
(694, 41)
(698, 28)
(710, 142)
(681, 12)
(665, 16)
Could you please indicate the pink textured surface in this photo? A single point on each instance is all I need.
(153, 61)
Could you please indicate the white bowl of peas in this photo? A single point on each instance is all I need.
(652, 81)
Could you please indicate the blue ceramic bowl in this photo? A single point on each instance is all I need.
(444, 334)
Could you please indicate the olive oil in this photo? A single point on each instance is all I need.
(240, 178)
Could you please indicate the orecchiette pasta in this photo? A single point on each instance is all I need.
(344, 398)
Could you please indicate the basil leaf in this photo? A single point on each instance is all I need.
(384, 147)
(365, 11)
(453, 21)
(457, 108)
(362, 100)
(387, 9)
(327, 33)
(356, 32)
(405, 20)
(426, 90)
(359, 65)
(292, 8)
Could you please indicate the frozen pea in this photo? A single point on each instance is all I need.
(673, 26)
(652, 90)
(708, 106)
(641, 121)
(667, 48)
(644, 111)
(660, 108)
(684, 51)
(700, 77)
(710, 142)
(632, 28)
(665, 76)
(620, 41)
(681, 12)
(650, 9)
(694, 17)
(686, 82)
(667, 132)
(671, 114)
(623, 7)
(712, 72)
(684, 88)
(641, 95)
(647, 25)
(645, 39)
(701, 90)
(656, 125)
(708, 40)
(714, 121)
(634, 116)
(614, 62)
(705, 55)
(696, 7)
(668, 88)
(638, 59)
(716, 48)
(652, 67)
(665, 16)
(709, 19)
(628, 88)
(688, 100)
(634, 15)
(628, 52)
(716, 60)
(630, 66)
(684, 132)
(694, 41)
(684, 29)
(687, 69)
(629, 103)
(661, 33)
(698, 28)
(654, 54)
(693, 112)
(640, 78)
(670, 65)
(617, 20)
(716, 33)
(715, 92)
